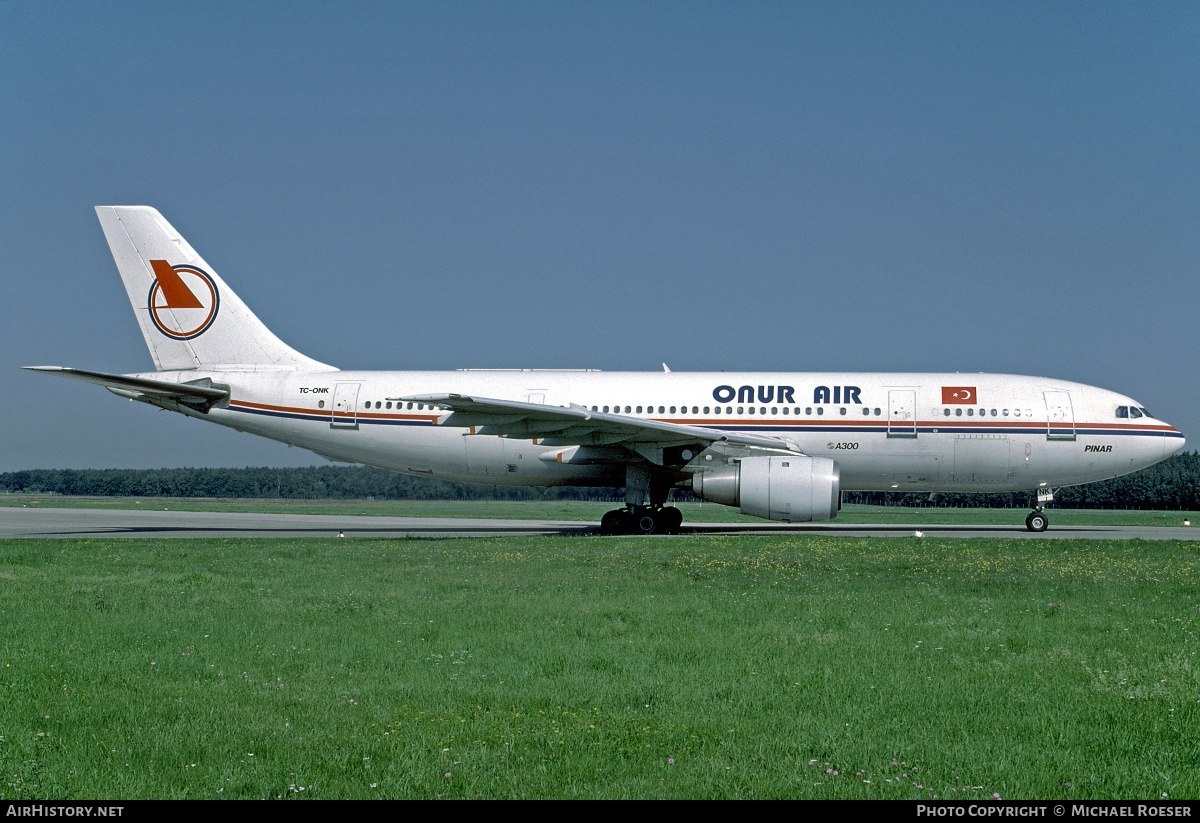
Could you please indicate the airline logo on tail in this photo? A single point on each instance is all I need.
(183, 300)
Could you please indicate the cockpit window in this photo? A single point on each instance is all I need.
(1133, 411)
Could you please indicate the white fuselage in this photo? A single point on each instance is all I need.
(903, 432)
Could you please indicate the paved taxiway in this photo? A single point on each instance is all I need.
(47, 522)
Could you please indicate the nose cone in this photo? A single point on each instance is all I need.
(1173, 441)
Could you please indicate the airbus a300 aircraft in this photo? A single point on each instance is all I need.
(779, 446)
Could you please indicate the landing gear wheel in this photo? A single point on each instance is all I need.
(671, 519)
(1036, 522)
(641, 520)
(616, 521)
(645, 521)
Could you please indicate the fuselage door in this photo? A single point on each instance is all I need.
(1060, 416)
(902, 413)
(345, 405)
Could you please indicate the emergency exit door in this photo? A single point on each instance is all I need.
(1060, 416)
(344, 414)
(902, 413)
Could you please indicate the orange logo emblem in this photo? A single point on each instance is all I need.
(183, 301)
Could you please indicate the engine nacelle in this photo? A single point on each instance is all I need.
(794, 489)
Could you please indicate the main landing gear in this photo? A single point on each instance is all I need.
(636, 517)
(642, 520)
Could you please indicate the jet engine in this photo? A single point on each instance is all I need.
(795, 488)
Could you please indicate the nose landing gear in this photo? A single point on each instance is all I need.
(1037, 521)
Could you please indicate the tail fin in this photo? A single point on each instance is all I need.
(189, 317)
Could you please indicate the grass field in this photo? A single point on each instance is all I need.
(592, 512)
(755, 666)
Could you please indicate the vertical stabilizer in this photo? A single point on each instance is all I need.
(189, 317)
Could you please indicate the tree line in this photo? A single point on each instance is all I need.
(312, 483)
(1173, 484)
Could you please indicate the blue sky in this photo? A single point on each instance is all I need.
(1002, 187)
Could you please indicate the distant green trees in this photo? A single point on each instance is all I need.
(1173, 484)
(314, 483)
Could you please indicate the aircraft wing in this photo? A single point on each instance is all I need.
(579, 426)
(201, 393)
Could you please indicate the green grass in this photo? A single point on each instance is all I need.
(762, 666)
(592, 512)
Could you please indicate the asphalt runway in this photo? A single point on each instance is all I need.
(47, 522)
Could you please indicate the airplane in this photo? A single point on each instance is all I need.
(780, 446)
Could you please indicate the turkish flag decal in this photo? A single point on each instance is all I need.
(958, 394)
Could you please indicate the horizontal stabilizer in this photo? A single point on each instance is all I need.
(200, 392)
